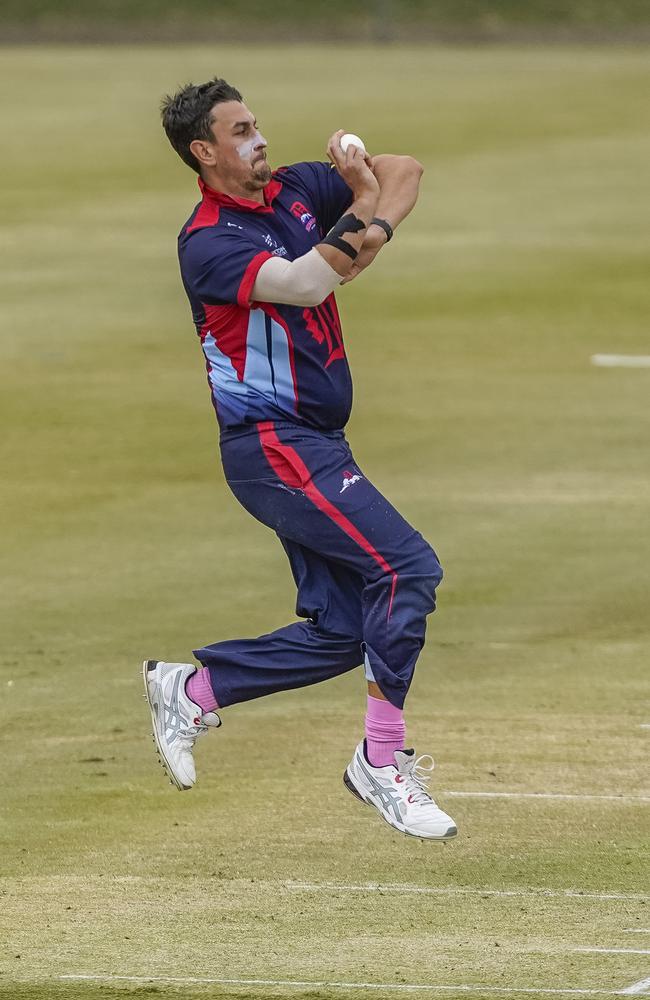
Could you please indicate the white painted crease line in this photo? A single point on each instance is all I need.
(615, 951)
(621, 360)
(636, 930)
(547, 795)
(637, 989)
(644, 725)
(532, 893)
(394, 987)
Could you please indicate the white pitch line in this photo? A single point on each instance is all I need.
(296, 984)
(636, 930)
(423, 890)
(637, 989)
(546, 795)
(615, 951)
(621, 360)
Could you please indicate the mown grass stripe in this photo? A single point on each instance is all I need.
(535, 892)
(615, 951)
(323, 984)
(549, 795)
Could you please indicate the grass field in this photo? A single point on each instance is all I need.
(477, 412)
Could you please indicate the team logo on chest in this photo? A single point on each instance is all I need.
(302, 213)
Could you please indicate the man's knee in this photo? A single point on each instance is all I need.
(421, 575)
(424, 564)
(415, 570)
(434, 567)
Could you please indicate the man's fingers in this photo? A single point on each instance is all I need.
(334, 151)
(358, 154)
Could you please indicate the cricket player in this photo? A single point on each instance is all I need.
(261, 257)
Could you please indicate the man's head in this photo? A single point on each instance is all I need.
(213, 131)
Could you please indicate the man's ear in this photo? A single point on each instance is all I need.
(203, 153)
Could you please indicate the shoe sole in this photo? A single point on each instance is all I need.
(351, 787)
(162, 758)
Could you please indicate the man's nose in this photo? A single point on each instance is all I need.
(260, 141)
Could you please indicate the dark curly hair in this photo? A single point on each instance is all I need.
(186, 115)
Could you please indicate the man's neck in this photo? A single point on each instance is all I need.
(234, 191)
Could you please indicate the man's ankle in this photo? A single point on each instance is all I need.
(199, 689)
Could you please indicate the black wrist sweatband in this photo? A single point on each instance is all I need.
(339, 244)
(386, 226)
(346, 224)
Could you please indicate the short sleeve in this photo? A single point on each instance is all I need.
(219, 267)
(326, 189)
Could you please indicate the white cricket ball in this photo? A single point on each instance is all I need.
(350, 139)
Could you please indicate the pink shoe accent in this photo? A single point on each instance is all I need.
(385, 732)
(199, 689)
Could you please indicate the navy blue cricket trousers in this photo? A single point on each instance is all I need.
(366, 579)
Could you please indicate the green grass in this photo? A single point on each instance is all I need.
(477, 412)
(437, 12)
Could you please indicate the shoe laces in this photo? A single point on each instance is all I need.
(187, 738)
(417, 778)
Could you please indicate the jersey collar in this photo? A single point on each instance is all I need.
(271, 191)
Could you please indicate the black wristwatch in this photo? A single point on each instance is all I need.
(386, 226)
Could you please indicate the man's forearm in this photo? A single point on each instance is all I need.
(363, 208)
(399, 181)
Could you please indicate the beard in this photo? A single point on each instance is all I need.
(261, 176)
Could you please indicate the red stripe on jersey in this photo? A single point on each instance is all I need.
(228, 324)
(250, 274)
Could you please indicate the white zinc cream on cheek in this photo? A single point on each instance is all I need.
(246, 149)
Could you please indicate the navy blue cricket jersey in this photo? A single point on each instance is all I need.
(267, 362)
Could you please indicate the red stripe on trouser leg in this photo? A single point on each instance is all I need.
(290, 468)
(393, 588)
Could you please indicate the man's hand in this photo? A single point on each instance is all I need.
(342, 244)
(354, 166)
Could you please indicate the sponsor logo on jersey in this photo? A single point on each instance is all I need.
(302, 213)
(279, 251)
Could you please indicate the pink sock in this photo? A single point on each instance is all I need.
(385, 731)
(199, 689)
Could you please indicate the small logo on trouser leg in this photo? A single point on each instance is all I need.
(349, 479)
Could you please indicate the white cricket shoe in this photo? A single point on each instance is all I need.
(177, 720)
(399, 793)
